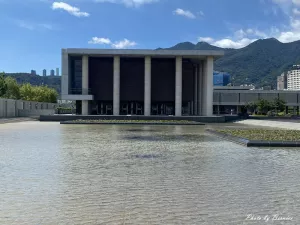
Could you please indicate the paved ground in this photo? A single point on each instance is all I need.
(15, 120)
(270, 123)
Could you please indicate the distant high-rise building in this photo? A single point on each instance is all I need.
(221, 78)
(293, 78)
(44, 72)
(33, 72)
(57, 71)
(52, 73)
(282, 81)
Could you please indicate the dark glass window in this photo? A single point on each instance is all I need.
(76, 74)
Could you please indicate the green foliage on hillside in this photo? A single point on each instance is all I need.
(50, 81)
(9, 88)
(258, 63)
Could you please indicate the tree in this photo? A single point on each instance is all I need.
(279, 104)
(13, 89)
(26, 92)
(251, 106)
(263, 106)
(3, 86)
(38, 93)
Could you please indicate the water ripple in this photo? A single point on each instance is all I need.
(110, 174)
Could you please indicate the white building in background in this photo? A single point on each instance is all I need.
(293, 78)
(282, 81)
(57, 71)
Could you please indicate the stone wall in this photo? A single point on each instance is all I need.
(12, 108)
(35, 112)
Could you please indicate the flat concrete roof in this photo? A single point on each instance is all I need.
(232, 87)
(144, 52)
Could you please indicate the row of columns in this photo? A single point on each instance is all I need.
(203, 86)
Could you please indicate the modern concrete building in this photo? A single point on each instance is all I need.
(57, 71)
(33, 72)
(282, 81)
(234, 98)
(139, 82)
(293, 78)
(44, 72)
(52, 72)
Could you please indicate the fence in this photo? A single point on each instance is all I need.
(15, 108)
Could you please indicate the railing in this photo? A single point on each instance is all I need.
(80, 91)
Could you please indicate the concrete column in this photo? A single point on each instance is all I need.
(195, 90)
(199, 89)
(65, 73)
(85, 84)
(178, 87)
(116, 92)
(85, 74)
(207, 98)
(147, 88)
(85, 107)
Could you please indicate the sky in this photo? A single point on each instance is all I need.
(33, 32)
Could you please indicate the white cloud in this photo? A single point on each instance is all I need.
(96, 40)
(26, 25)
(185, 13)
(285, 33)
(33, 26)
(240, 34)
(206, 39)
(296, 12)
(289, 36)
(239, 39)
(257, 33)
(46, 26)
(129, 3)
(296, 2)
(242, 38)
(103, 1)
(125, 43)
(201, 13)
(295, 24)
(228, 43)
(70, 9)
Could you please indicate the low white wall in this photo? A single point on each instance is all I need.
(12, 108)
(2, 108)
(35, 112)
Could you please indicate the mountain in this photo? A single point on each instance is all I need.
(50, 81)
(259, 63)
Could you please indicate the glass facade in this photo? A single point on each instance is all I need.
(76, 75)
(221, 78)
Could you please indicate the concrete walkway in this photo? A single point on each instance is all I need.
(16, 120)
(271, 123)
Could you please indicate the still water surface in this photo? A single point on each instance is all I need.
(119, 174)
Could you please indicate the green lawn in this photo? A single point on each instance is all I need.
(264, 135)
